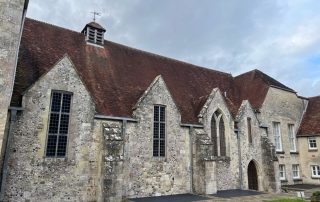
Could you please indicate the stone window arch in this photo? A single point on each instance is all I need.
(218, 136)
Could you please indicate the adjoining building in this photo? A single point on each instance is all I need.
(93, 120)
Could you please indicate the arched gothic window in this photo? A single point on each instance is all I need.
(218, 134)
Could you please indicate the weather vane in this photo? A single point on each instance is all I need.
(95, 14)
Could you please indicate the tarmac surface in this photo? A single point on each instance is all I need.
(172, 198)
(236, 195)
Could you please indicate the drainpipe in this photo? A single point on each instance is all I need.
(191, 158)
(237, 131)
(7, 144)
(191, 126)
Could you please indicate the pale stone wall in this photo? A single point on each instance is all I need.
(153, 176)
(308, 158)
(34, 177)
(286, 108)
(225, 168)
(113, 173)
(11, 17)
(260, 151)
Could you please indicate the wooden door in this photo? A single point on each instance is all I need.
(252, 176)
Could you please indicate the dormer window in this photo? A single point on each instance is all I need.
(94, 33)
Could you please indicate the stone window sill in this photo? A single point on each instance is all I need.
(294, 152)
(284, 180)
(297, 179)
(313, 150)
(315, 177)
(158, 158)
(218, 158)
(280, 152)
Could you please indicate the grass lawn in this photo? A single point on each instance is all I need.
(287, 200)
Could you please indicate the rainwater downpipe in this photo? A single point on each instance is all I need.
(237, 132)
(191, 157)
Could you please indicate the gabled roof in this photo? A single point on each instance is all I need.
(253, 86)
(310, 125)
(117, 75)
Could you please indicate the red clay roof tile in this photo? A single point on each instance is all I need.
(117, 75)
(310, 125)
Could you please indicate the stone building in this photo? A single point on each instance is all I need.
(12, 15)
(102, 121)
(308, 143)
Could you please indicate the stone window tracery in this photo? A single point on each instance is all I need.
(218, 134)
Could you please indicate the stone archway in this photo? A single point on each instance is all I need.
(252, 176)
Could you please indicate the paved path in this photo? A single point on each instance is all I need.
(261, 197)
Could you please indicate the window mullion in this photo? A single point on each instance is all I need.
(58, 134)
(159, 125)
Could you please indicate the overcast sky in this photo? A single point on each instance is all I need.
(278, 37)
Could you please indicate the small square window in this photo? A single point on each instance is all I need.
(312, 143)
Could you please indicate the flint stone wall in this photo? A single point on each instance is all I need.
(227, 175)
(154, 176)
(260, 151)
(11, 12)
(32, 176)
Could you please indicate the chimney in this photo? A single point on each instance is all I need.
(94, 33)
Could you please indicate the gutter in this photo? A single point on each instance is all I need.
(191, 125)
(99, 116)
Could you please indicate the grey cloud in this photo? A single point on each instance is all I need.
(232, 36)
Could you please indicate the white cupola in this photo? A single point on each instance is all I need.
(94, 33)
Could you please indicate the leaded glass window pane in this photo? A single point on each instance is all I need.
(159, 131)
(58, 124)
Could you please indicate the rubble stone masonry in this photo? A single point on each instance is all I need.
(34, 177)
(11, 17)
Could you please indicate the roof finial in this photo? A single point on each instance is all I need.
(95, 14)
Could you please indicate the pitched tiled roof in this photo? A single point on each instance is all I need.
(310, 125)
(117, 75)
(253, 86)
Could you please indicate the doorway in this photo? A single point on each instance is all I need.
(252, 176)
